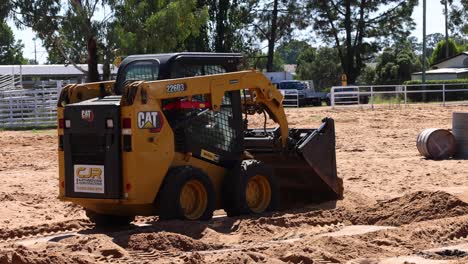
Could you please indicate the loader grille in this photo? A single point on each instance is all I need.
(88, 149)
(212, 128)
(201, 130)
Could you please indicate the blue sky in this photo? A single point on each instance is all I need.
(435, 23)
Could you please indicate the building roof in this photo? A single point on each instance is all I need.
(464, 53)
(445, 71)
(48, 70)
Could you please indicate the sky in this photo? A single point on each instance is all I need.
(435, 24)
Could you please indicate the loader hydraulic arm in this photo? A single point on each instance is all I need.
(74, 93)
(262, 92)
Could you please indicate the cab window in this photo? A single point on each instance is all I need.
(180, 70)
(142, 71)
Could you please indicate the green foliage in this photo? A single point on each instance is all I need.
(320, 65)
(386, 99)
(439, 51)
(11, 51)
(68, 29)
(437, 81)
(458, 22)
(431, 43)
(359, 28)
(289, 51)
(157, 26)
(395, 64)
(367, 77)
(259, 61)
(275, 21)
(227, 22)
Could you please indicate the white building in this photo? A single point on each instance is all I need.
(36, 75)
(452, 68)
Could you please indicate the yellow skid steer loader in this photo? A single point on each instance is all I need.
(170, 138)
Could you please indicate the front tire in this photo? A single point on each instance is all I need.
(187, 194)
(253, 191)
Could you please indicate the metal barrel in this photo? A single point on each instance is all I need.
(460, 131)
(436, 143)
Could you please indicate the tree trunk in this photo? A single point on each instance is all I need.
(221, 18)
(106, 72)
(93, 74)
(272, 38)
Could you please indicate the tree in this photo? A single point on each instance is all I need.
(11, 51)
(289, 51)
(228, 20)
(358, 28)
(145, 27)
(320, 65)
(68, 27)
(275, 20)
(439, 52)
(260, 60)
(395, 64)
(367, 77)
(458, 22)
(431, 42)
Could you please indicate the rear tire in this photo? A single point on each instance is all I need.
(253, 190)
(102, 220)
(187, 194)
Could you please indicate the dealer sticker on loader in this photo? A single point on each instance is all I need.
(89, 178)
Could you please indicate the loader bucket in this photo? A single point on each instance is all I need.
(306, 173)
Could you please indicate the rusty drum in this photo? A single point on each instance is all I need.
(435, 143)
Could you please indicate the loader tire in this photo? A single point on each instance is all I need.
(253, 191)
(187, 193)
(103, 220)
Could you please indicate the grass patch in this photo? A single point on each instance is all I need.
(385, 99)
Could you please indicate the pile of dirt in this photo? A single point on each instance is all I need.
(164, 241)
(438, 231)
(414, 207)
(23, 255)
(25, 231)
(269, 226)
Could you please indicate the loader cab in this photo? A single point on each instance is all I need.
(153, 67)
(197, 130)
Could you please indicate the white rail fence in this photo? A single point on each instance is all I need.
(398, 94)
(8, 82)
(28, 108)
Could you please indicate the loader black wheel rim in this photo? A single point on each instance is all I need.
(258, 193)
(193, 199)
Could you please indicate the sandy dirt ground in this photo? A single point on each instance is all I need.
(398, 208)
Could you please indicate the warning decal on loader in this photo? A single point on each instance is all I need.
(209, 155)
(149, 120)
(89, 178)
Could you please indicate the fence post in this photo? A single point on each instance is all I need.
(443, 94)
(11, 111)
(13, 77)
(406, 94)
(372, 97)
(359, 97)
(332, 98)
